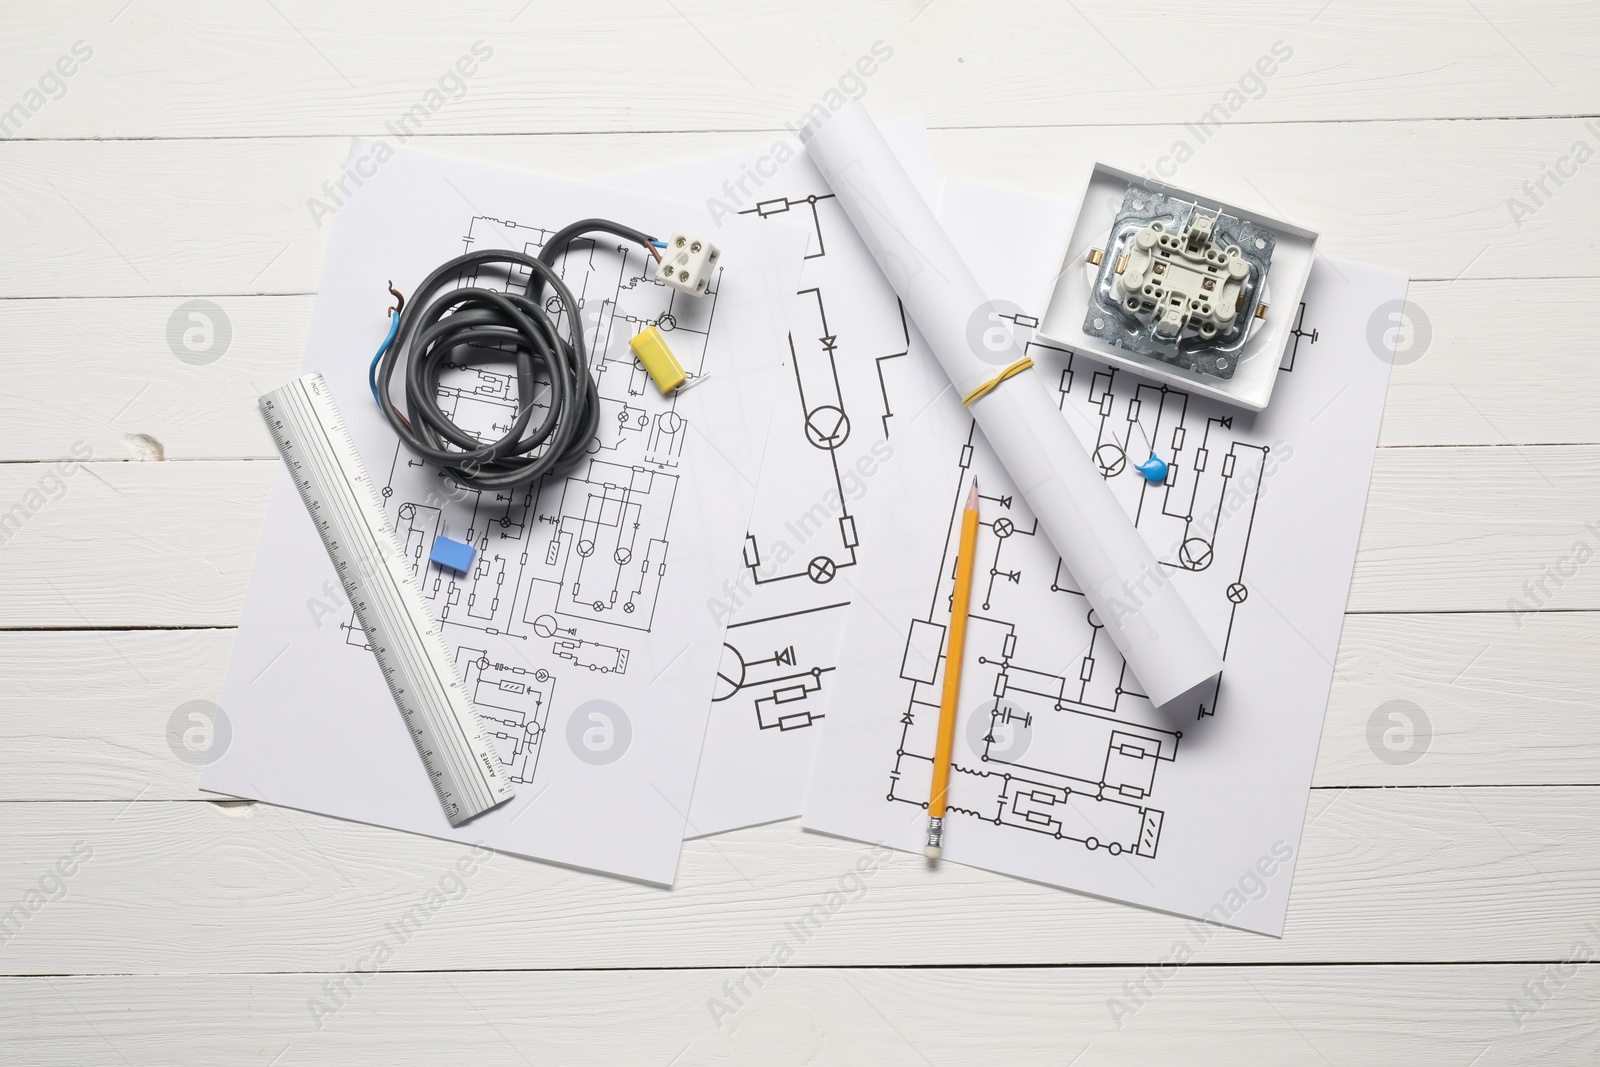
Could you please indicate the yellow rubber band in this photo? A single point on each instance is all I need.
(987, 387)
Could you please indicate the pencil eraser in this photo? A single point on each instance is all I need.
(453, 554)
(931, 851)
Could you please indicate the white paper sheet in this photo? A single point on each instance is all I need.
(830, 432)
(1062, 775)
(581, 631)
(1153, 629)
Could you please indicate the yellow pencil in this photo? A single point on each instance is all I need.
(965, 551)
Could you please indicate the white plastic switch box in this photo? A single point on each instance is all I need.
(1178, 287)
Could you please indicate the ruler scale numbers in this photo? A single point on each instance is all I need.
(408, 642)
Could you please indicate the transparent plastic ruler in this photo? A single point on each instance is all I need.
(348, 512)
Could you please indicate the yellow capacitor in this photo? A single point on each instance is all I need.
(664, 368)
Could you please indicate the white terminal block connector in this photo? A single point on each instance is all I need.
(687, 263)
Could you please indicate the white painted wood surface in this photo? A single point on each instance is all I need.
(1414, 875)
(1282, 1016)
(1438, 904)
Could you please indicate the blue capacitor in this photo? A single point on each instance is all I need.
(452, 554)
(1154, 469)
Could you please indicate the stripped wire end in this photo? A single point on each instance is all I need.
(394, 328)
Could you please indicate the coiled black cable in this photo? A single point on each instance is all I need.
(445, 324)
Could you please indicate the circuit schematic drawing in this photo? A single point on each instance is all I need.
(803, 532)
(1062, 742)
(826, 427)
(779, 667)
(571, 567)
(512, 701)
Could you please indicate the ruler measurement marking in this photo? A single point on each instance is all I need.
(412, 652)
(391, 627)
(395, 627)
(387, 630)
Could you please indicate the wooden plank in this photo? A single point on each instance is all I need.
(1288, 1016)
(129, 393)
(1386, 875)
(84, 715)
(148, 544)
(104, 373)
(1475, 529)
(296, 66)
(171, 544)
(1496, 699)
(1486, 379)
(1426, 198)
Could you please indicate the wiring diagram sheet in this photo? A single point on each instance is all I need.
(831, 430)
(580, 628)
(1063, 772)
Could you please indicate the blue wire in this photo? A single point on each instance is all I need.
(658, 244)
(372, 371)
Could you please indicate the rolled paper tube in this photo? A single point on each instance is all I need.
(1131, 594)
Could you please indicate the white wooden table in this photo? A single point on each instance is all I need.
(1438, 902)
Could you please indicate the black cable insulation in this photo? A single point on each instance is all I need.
(445, 324)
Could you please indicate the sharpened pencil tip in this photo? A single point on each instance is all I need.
(972, 497)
